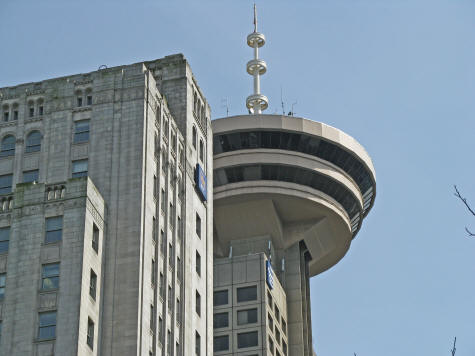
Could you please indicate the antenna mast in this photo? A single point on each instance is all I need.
(256, 67)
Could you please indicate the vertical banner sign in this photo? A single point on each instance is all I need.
(201, 181)
(269, 275)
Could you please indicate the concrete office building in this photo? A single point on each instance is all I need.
(106, 217)
(290, 194)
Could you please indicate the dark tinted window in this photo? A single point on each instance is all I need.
(50, 276)
(247, 339)
(8, 146)
(246, 294)
(47, 325)
(4, 239)
(247, 316)
(291, 174)
(81, 131)
(33, 142)
(220, 297)
(54, 229)
(220, 320)
(30, 176)
(221, 343)
(6, 183)
(303, 143)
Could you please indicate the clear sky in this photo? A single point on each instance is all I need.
(397, 75)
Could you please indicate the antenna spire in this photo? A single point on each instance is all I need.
(256, 67)
(255, 18)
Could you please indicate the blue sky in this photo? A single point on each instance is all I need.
(397, 75)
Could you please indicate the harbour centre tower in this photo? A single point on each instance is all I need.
(290, 194)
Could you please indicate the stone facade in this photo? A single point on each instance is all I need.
(138, 132)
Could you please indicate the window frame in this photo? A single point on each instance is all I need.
(47, 326)
(32, 143)
(4, 241)
(53, 277)
(78, 174)
(7, 149)
(81, 135)
(52, 232)
(32, 172)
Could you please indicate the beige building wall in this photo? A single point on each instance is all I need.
(271, 325)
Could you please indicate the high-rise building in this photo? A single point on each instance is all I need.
(290, 194)
(106, 216)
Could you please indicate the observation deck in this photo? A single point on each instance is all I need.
(292, 179)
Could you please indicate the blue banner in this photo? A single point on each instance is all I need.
(201, 181)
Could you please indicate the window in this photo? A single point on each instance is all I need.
(155, 186)
(197, 344)
(89, 100)
(32, 111)
(4, 239)
(90, 333)
(271, 345)
(201, 151)
(30, 176)
(194, 136)
(198, 225)
(221, 343)
(6, 183)
(3, 277)
(169, 343)
(248, 339)
(79, 101)
(40, 110)
(284, 326)
(269, 299)
(8, 146)
(198, 263)
(284, 347)
(170, 299)
(33, 142)
(81, 131)
(93, 284)
(178, 311)
(277, 313)
(162, 241)
(95, 238)
(54, 229)
(15, 115)
(153, 274)
(220, 320)
(50, 276)
(160, 329)
(247, 316)
(6, 115)
(152, 318)
(270, 322)
(163, 202)
(154, 229)
(246, 294)
(277, 335)
(79, 168)
(170, 255)
(220, 297)
(179, 272)
(161, 285)
(198, 303)
(47, 325)
(171, 212)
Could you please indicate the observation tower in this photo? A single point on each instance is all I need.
(292, 189)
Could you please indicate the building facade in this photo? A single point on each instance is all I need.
(106, 218)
